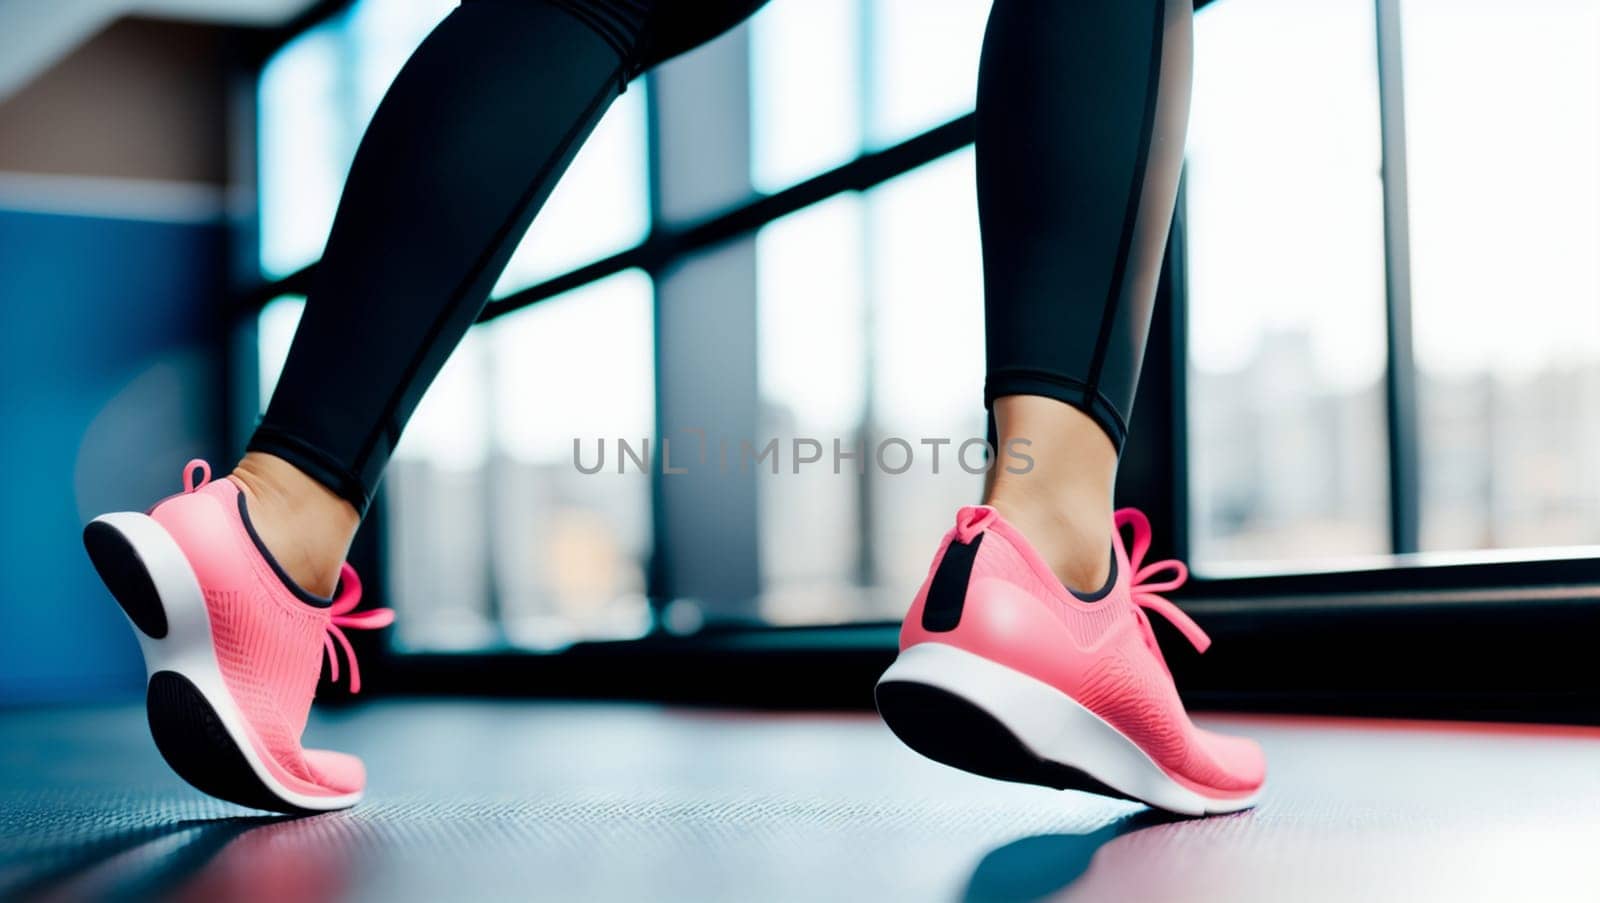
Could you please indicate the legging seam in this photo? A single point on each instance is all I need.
(385, 422)
(1130, 216)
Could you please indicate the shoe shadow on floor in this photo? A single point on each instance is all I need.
(191, 859)
(1044, 865)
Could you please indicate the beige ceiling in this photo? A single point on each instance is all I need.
(36, 33)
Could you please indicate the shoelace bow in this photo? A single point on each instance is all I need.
(342, 613)
(1146, 590)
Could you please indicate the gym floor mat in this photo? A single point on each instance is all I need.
(570, 801)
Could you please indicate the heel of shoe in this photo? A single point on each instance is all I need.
(938, 704)
(152, 580)
(112, 541)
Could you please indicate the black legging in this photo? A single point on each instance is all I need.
(1081, 111)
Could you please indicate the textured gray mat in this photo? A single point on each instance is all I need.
(559, 802)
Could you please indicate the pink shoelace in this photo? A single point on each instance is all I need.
(1146, 590)
(345, 615)
(342, 612)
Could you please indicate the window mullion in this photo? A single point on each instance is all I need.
(1401, 376)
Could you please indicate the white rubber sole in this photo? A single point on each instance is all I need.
(196, 725)
(974, 714)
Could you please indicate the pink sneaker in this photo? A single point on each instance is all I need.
(233, 648)
(1004, 672)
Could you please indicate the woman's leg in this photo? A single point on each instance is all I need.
(229, 583)
(1081, 115)
(464, 150)
(1002, 671)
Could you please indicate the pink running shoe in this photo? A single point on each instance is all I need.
(233, 648)
(1006, 673)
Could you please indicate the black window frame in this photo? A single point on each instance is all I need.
(1502, 640)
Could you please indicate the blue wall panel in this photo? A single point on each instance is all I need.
(108, 376)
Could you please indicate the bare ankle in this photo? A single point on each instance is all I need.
(1062, 501)
(1075, 540)
(303, 524)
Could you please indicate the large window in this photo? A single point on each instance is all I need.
(1503, 128)
(884, 285)
(1298, 274)
(1286, 284)
(494, 533)
(812, 297)
(1389, 335)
